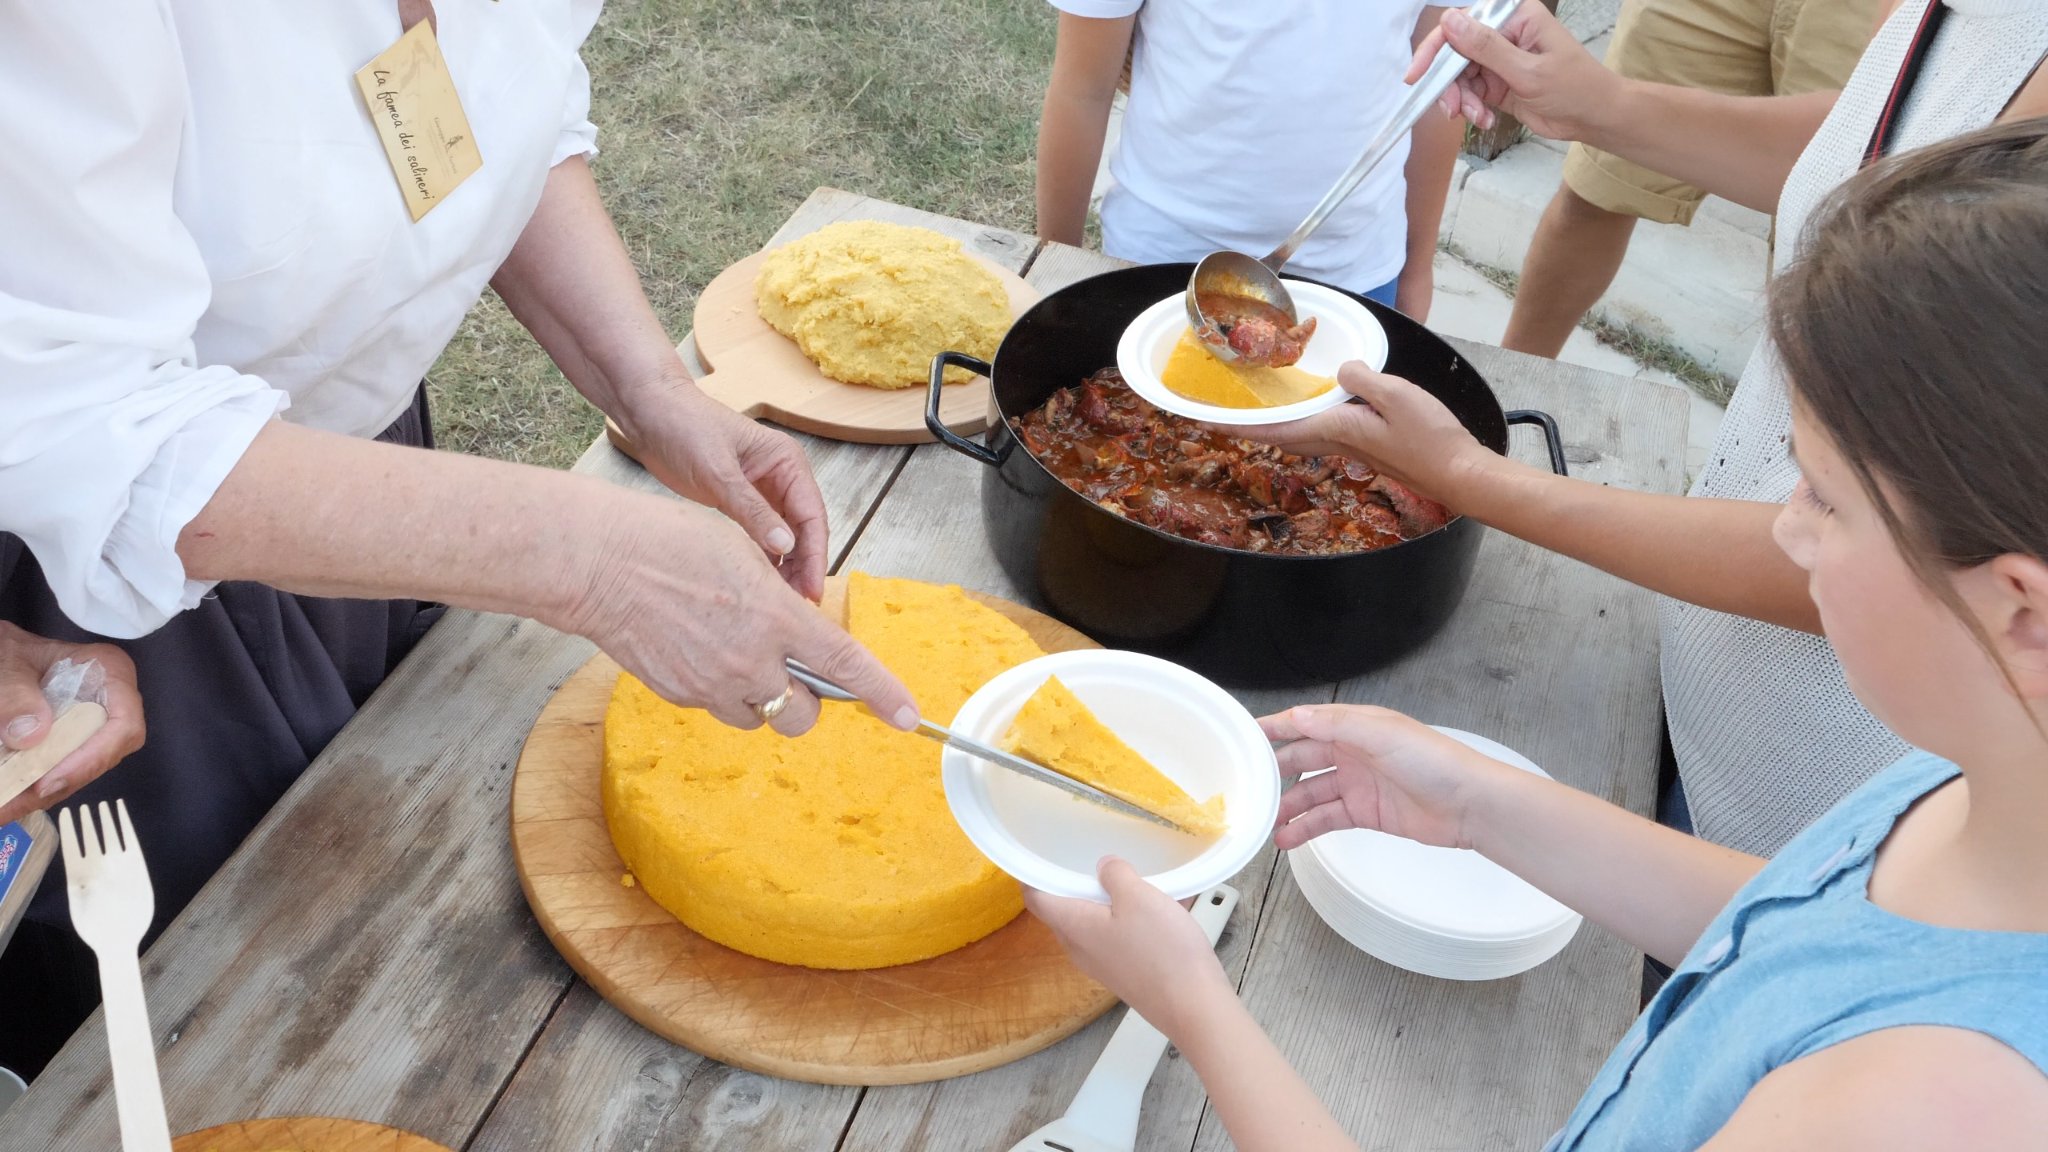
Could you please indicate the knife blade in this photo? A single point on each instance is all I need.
(827, 690)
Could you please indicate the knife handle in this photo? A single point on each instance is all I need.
(820, 687)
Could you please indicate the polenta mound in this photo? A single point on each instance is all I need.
(872, 303)
(835, 849)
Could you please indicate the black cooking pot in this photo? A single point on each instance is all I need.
(1243, 618)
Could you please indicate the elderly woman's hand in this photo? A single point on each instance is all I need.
(685, 601)
(25, 716)
(760, 477)
(1400, 430)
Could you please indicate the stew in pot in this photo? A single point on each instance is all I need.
(1167, 472)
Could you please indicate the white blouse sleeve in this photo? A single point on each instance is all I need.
(579, 135)
(112, 434)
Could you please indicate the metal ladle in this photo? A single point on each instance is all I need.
(1236, 274)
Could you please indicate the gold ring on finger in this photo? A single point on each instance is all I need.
(773, 708)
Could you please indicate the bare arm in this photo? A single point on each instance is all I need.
(1737, 147)
(1432, 154)
(1718, 554)
(1895, 1090)
(475, 533)
(1085, 66)
(1653, 886)
(571, 282)
(1263, 1103)
(673, 592)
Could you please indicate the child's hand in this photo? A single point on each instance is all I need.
(1142, 946)
(1400, 430)
(1393, 774)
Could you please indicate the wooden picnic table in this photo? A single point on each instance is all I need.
(368, 954)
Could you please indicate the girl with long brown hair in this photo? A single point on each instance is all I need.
(1879, 983)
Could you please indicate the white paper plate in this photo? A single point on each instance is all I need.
(1442, 912)
(1192, 730)
(1345, 331)
(1437, 957)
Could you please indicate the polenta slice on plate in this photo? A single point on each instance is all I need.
(1056, 729)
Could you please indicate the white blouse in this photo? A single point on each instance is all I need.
(199, 229)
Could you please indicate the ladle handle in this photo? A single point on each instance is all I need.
(1421, 94)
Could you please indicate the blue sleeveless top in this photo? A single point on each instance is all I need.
(1799, 961)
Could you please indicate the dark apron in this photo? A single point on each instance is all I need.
(240, 694)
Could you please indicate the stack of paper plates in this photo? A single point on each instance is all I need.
(1443, 912)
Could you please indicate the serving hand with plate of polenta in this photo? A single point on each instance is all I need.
(1140, 728)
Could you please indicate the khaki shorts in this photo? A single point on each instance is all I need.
(1741, 47)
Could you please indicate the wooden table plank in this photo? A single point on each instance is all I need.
(1559, 662)
(598, 1081)
(1059, 265)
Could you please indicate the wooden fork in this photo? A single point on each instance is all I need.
(111, 904)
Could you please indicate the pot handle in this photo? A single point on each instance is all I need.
(1551, 439)
(937, 426)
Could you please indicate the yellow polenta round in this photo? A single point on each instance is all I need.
(834, 849)
(872, 303)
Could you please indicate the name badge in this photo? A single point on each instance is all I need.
(419, 118)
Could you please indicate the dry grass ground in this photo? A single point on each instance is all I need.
(716, 119)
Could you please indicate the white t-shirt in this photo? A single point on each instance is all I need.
(198, 226)
(1242, 113)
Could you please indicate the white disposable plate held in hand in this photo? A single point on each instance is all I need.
(1190, 729)
(1446, 892)
(1345, 331)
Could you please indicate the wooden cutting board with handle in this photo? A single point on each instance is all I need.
(303, 1134)
(999, 999)
(762, 374)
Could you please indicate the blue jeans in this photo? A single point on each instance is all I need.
(1385, 292)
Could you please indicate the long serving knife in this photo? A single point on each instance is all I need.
(825, 689)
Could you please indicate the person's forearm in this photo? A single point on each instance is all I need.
(1263, 1103)
(1070, 135)
(1653, 886)
(432, 525)
(1740, 148)
(1718, 554)
(1086, 63)
(570, 281)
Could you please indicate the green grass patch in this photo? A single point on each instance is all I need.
(716, 118)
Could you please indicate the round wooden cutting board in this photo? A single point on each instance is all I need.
(761, 373)
(999, 999)
(303, 1134)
